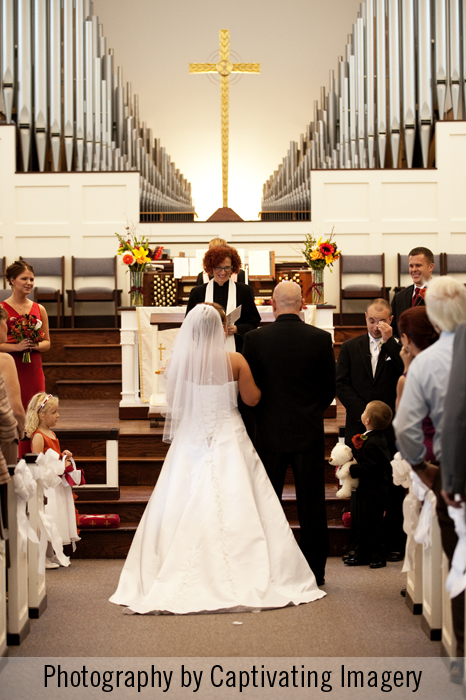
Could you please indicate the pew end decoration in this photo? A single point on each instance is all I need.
(136, 256)
(318, 254)
(341, 457)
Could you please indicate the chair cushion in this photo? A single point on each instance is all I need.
(46, 290)
(363, 288)
(94, 290)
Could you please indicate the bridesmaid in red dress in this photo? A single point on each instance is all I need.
(20, 276)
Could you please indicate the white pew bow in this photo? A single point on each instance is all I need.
(411, 508)
(456, 579)
(25, 488)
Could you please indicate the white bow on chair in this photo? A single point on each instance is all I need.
(456, 579)
(25, 488)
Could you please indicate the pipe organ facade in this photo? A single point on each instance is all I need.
(404, 66)
(71, 106)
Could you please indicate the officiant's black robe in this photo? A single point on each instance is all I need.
(249, 319)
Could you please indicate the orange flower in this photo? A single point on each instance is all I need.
(316, 255)
(128, 259)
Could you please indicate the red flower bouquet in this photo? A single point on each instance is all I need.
(27, 326)
(358, 440)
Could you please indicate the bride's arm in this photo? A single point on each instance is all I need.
(248, 389)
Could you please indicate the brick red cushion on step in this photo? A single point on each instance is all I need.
(99, 520)
(346, 517)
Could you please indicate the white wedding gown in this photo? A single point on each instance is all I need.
(214, 536)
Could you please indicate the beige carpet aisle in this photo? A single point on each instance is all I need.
(363, 614)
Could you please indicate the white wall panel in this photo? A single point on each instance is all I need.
(46, 204)
(457, 143)
(104, 204)
(346, 202)
(40, 246)
(409, 201)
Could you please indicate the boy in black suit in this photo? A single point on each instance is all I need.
(374, 471)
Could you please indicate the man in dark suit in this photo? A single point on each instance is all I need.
(421, 264)
(294, 365)
(368, 369)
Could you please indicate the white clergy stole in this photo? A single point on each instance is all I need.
(231, 306)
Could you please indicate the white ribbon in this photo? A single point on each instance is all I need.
(456, 579)
(423, 531)
(48, 468)
(231, 306)
(25, 488)
(411, 508)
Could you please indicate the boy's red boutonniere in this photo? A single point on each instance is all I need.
(358, 440)
(422, 292)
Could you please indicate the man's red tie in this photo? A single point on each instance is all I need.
(415, 297)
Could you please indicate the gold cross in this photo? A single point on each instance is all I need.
(224, 67)
(161, 348)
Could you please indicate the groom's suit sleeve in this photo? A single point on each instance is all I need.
(347, 394)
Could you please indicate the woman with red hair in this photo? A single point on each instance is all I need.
(222, 261)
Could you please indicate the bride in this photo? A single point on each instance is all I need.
(213, 537)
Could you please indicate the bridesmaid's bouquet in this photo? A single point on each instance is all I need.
(27, 326)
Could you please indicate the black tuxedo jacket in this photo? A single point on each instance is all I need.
(373, 466)
(400, 302)
(249, 318)
(293, 364)
(356, 385)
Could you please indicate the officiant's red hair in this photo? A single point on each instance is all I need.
(215, 257)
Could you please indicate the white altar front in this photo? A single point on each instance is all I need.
(145, 346)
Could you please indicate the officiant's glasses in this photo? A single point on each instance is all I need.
(226, 269)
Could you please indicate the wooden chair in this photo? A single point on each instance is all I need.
(403, 268)
(94, 267)
(49, 267)
(366, 265)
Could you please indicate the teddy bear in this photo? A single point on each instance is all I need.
(342, 458)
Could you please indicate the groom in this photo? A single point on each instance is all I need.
(294, 366)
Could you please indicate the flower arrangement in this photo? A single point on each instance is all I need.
(136, 256)
(135, 251)
(27, 326)
(320, 254)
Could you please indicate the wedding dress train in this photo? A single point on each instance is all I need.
(214, 536)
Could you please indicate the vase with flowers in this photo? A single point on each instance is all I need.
(136, 256)
(318, 254)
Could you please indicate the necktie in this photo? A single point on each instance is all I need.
(415, 297)
(375, 355)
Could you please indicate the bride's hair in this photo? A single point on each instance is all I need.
(219, 308)
(199, 362)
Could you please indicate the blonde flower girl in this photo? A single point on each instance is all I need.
(42, 415)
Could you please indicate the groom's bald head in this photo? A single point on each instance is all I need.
(287, 298)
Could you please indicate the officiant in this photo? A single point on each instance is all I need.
(222, 261)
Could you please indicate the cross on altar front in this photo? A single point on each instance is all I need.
(161, 349)
(224, 67)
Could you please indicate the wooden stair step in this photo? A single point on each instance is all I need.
(55, 371)
(88, 389)
(92, 353)
(61, 337)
